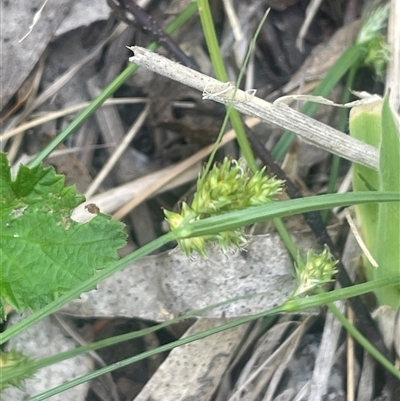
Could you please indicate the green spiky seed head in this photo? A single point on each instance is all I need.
(10, 361)
(315, 272)
(226, 187)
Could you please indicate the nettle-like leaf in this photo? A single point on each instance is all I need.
(43, 253)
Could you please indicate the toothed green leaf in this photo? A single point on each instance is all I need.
(43, 252)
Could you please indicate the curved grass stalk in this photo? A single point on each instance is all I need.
(293, 305)
(222, 75)
(211, 225)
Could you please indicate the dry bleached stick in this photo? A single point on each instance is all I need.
(308, 129)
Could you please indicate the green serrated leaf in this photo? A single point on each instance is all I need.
(43, 252)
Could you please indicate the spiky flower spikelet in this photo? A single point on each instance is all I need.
(10, 361)
(373, 38)
(174, 220)
(315, 272)
(226, 187)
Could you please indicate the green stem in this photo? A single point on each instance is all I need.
(209, 226)
(240, 218)
(222, 75)
(364, 342)
(293, 305)
(39, 364)
(287, 239)
(85, 286)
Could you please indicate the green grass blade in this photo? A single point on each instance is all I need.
(240, 218)
(211, 225)
(388, 230)
(365, 125)
(222, 75)
(84, 287)
(294, 305)
(376, 124)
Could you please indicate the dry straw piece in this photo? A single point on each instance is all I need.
(308, 129)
